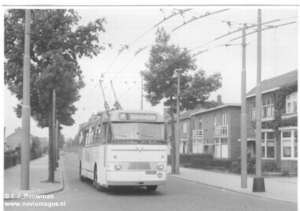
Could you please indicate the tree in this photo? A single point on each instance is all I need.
(36, 147)
(210, 104)
(62, 140)
(161, 77)
(55, 47)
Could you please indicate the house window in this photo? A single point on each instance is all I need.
(200, 124)
(197, 146)
(253, 111)
(268, 145)
(291, 103)
(221, 148)
(289, 144)
(184, 127)
(268, 108)
(215, 123)
(224, 119)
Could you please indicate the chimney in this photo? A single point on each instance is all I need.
(219, 99)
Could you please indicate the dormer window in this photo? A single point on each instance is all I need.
(291, 103)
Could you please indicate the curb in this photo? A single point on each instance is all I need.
(61, 188)
(233, 191)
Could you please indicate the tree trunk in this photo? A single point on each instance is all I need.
(50, 148)
(173, 148)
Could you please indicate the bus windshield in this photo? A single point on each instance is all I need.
(138, 131)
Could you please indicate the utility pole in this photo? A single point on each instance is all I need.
(142, 93)
(243, 117)
(57, 145)
(25, 147)
(178, 128)
(258, 182)
(54, 131)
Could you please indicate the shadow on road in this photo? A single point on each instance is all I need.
(127, 190)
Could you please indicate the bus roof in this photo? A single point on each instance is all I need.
(124, 116)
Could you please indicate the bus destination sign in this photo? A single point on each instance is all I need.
(137, 117)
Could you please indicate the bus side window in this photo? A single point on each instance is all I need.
(87, 143)
(98, 134)
(103, 133)
(91, 135)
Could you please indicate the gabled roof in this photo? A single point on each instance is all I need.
(16, 132)
(186, 114)
(200, 111)
(275, 83)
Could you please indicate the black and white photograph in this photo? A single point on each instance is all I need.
(145, 107)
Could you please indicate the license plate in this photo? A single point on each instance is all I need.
(150, 172)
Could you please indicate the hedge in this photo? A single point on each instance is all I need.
(186, 159)
(12, 158)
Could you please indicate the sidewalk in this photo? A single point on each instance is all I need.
(279, 188)
(38, 173)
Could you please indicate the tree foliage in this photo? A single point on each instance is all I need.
(161, 76)
(165, 63)
(56, 44)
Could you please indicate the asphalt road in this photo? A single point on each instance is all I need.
(177, 195)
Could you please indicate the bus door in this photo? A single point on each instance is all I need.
(91, 153)
(102, 154)
(86, 154)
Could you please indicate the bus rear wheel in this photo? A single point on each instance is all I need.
(151, 187)
(82, 179)
(95, 182)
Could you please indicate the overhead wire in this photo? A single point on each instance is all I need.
(193, 48)
(165, 19)
(201, 16)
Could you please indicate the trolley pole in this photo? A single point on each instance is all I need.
(243, 117)
(25, 147)
(142, 93)
(177, 158)
(258, 182)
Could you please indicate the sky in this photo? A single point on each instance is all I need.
(134, 26)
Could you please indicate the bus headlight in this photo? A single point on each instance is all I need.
(160, 167)
(159, 175)
(118, 166)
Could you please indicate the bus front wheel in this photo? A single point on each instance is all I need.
(152, 187)
(95, 182)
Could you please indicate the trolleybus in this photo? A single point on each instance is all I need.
(123, 148)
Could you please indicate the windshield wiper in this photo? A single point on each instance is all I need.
(119, 135)
(146, 135)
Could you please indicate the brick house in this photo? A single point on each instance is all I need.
(14, 140)
(216, 131)
(279, 121)
(185, 131)
(212, 131)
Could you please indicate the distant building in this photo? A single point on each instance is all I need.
(211, 131)
(44, 141)
(279, 121)
(216, 131)
(14, 140)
